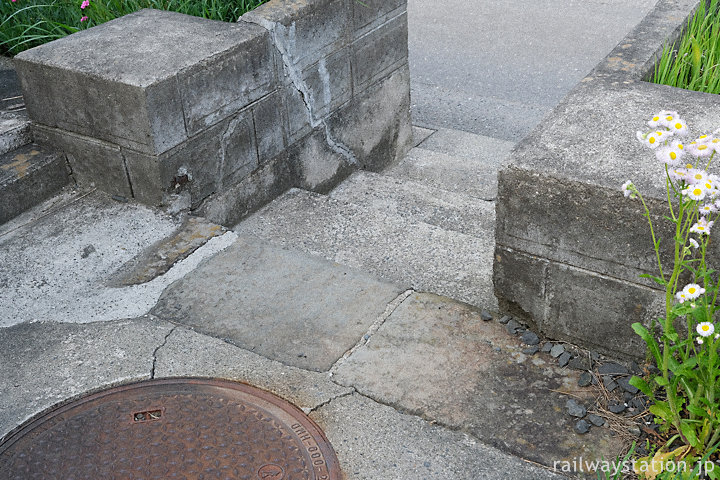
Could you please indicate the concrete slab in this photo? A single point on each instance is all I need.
(373, 441)
(42, 364)
(503, 64)
(285, 305)
(55, 266)
(413, 254)
(420, 134)
(186, 353)
(413, 201)
(476, 178)
(436, 358)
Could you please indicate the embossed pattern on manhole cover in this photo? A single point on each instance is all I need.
(179, 428)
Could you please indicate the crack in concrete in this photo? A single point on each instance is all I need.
(155, 352)
(317, 407)
(389, 310)
(283, 39)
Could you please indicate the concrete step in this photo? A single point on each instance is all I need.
(456, 161)
(29, 175)
(480, 148)
(14, 121)
(417, 202)
(412, 254)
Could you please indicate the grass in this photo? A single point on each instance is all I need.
(28, 23)
(693, 62)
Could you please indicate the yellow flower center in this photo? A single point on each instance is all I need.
(698, 176)
(689, 165)
(655, 119)
(702, 147)
(678, 126)
(680, 146)
(673, 155)
(697, 191)
(705, 328)
(692, 290)
(668, 118)
(702, 136)
(651, 140)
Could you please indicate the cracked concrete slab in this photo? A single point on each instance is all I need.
(187, 353)
(374, 441)
(42, 364)
(436, 358)
(56, 266)
(285, 305)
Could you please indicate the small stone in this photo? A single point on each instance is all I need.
(627, 396)
(575, 409)
(634, 430)
(119, 198)
(563, 359)
(596, 420)
(582, 427)
(624, 383)
(504, 320)
(497, 349)
(585, 379)
(638, 404)
(594, 356)
(486, 316)
(635, 368)
(609, 383)
(512, 327)
(616, 407)
(547, 346)
(581, 362)
(530, 338)
(532, 350)
(557, 350)
(612, 369)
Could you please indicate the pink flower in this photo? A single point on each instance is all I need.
(83, 19)
(84, 4)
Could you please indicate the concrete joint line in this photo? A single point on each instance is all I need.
(283, 39)
(155, 352)
(317, 407)
(365, 339)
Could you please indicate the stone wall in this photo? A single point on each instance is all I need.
(176, 110)
(570, 248)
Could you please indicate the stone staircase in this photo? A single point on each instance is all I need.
(426, 222)
(29, 173)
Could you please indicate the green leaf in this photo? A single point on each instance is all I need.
(641, 385)
(657, 280)
(661, 381)
(662, 410)
(697, 411)
(649, 340)
(689, 432)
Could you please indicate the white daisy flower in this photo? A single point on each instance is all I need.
(669, 155)
(715, 144)
(704, 139)
(693, 291)
(702, 227)
(699, 340)
(708, 209)
(705, 329)
(651, 139)
(678, 174)
(700, 149)
(694, 243)
(696, 176)
(657, 119)
(681, 297)
(677, 126)
(695, 192)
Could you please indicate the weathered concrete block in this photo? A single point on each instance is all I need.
(559, 200)
(370, 14)
(320, 162)
(221, 155)
(294, 26)
(92, 161)
(375, 126)
(329, 82)
(140, 86)
(270, 119)
(380, 51)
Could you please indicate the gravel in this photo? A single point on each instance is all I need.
(585, 379)
(557, 350)
(563, 359)
(611, 368)
(486, 316)
(624, 383)
(575, 409)
(582, 427)
(596, 420)
(530, 338)
(616, 407)
(505, 319)
(532, 350)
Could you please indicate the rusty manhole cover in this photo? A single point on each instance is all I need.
(174, 428)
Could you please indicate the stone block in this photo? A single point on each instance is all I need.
(519, 280)
(270, 120)
(223, 154)
(295, 27)
(329, 82)
(380, 51)
(598, 311)
(298, 113)
(375, 126)
(319, 162)
(140, 85)
(371, 13)
(93, 162)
